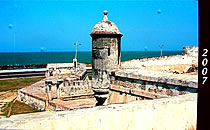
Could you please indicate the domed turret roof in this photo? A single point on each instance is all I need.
(105, 26)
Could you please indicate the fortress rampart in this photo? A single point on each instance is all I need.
(171, 81)
(177, 112)
(189, 57)
(170, 78)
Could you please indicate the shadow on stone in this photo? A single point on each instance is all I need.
(100, 101)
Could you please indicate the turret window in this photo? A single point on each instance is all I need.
(108, 51)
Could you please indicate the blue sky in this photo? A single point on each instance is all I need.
(56, 25)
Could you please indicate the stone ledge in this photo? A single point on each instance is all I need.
(160, 77)
(168, 113)
(137, 92)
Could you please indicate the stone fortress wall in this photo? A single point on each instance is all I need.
(31, 100)
(136, 80)
(37, 97)
(126, 85)
(148, 78)
(54, 69)
(189, 57)
(177, 112)
(63, 82)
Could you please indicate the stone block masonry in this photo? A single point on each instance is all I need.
(140, 84)
(33, 95)
(156, 77)
(106, 55)
(77, 94)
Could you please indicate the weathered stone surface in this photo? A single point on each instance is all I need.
(191, 51)
(106, 55)
(168, 113)
(54, 69)
(165, 63)
(43, 94)
(160, 77)
(32, 100)
(152, 84)
(105, 27)
(138, 92)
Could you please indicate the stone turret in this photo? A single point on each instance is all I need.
(106, 56)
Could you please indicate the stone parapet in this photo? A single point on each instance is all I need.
(190, 50)
(160, 77)
(137, 92)
(167, 113)
(158, 61)
(32, 100)
(54, 69)
(42, 94)
(189, 56)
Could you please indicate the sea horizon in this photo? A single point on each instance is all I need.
(81, 51)
(27, 58)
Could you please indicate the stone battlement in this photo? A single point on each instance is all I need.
(43, 97)
(54, 69)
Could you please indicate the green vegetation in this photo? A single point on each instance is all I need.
(14, 84)
(21, 108)
(15, 107)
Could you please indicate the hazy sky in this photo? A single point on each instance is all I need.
(28, 26)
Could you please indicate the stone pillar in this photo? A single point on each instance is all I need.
(106, 56)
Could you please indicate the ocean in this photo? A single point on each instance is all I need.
(27, 58)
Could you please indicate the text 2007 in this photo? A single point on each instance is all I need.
(204, 65)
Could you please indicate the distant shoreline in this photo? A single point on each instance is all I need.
(40, 60)
(31, 66)
(8, 67)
